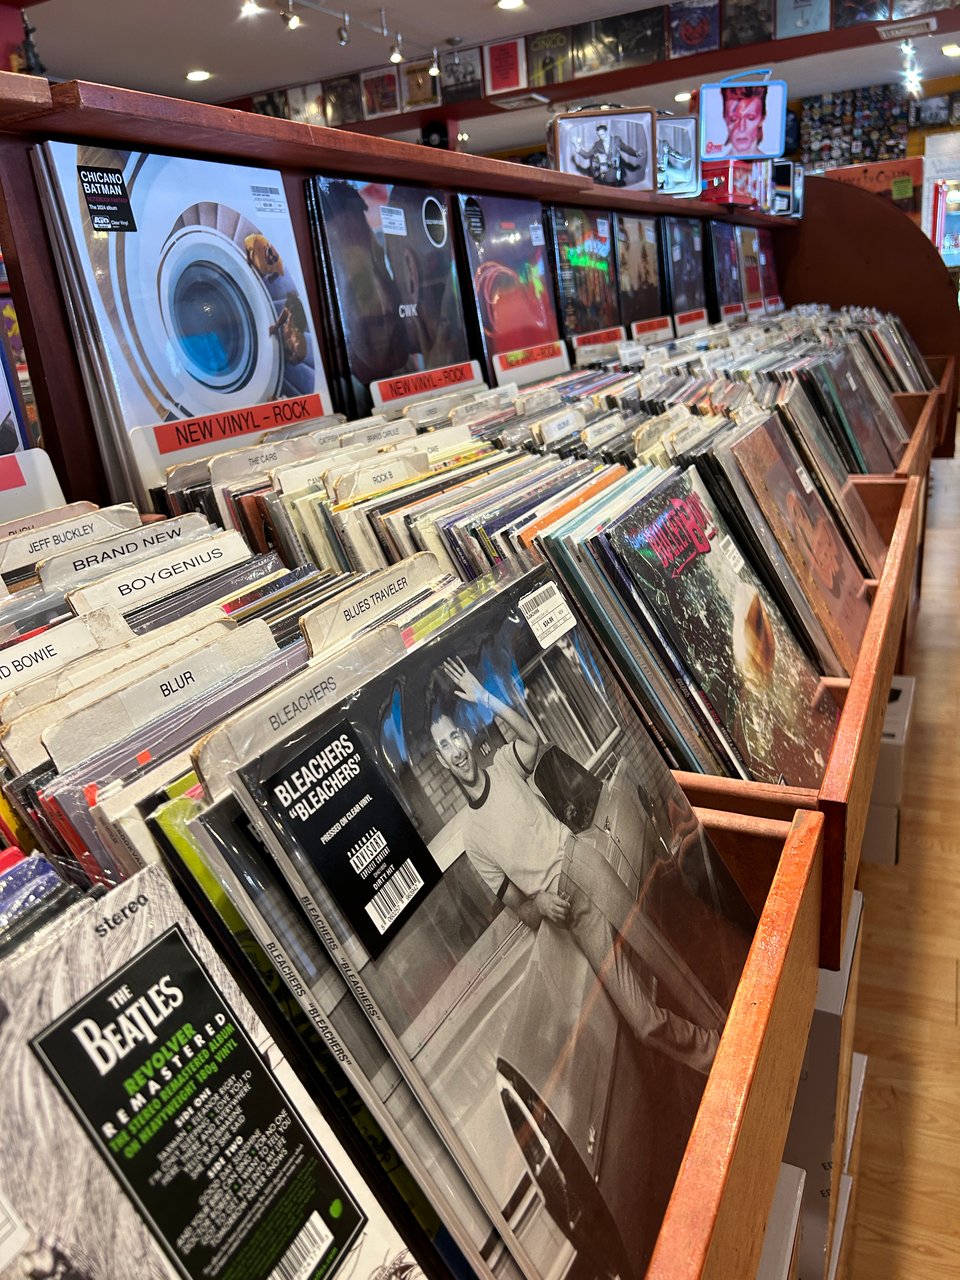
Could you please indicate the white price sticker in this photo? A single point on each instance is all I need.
(536, 234)
(603, 228)
(548, 614)
(804, 478)
(731, 553)
(393, 220)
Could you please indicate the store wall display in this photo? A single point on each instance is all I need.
(189, 291)
(395, 307)
(694, 27)
(854, 126)
(616, 148)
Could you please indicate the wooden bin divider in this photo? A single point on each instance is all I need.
(924, 412)
(847, 784)
(944, 369)
(714, 1225)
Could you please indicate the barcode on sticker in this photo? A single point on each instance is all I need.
(548, 614)
(306, 1253)
(265, 191)
(805, 480)
(732, 553)
(14, 1235)
(399, 890)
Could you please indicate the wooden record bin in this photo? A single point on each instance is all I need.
(794, 851)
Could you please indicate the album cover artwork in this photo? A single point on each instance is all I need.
(769, 282)
(418, 88)
(549, 58)
(728, 632)
(642, 36)
(749, 248)
(144, 1100)
(557, 999)
(725, 270)
(596, 47)
(694, 27)
(802, 17)
(342, 101)
(510, 272)
(586, 271)
(638, 262)
(808, 536)
(193, 279)
(683, 256)
(380, 92)
(461, 75)
(913, 8)
(390, 252)
(747, 22)
(851, 13)
(305, 103)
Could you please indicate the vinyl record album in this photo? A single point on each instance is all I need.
(586, 270)
(389, 251)
(510, 272)
(683, 257)
(638, 262)
(193, 280)
(727, 288)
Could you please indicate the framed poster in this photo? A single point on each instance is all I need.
(461, 75)
(342, 103)
(549, 58)
(305, 103)
(504, 66)
(615, 148)
(746, 22)
(694, 27)
(418, 88)
(380, 93)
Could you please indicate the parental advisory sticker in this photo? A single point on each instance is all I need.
(548, 614)
(333, 800)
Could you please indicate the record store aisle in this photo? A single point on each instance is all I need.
(908, 1020)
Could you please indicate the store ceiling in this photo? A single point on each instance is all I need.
(151, 44)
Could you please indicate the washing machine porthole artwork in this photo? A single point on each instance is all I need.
(194, 281)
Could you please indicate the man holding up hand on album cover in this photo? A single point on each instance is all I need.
(558, 871)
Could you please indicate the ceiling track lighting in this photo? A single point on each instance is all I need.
(396, 52)
(434, 68)
(343, 31)
(912, 79)
(292, 20)
(288, 16)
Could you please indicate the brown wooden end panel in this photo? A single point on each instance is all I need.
(925, 414)
(848, 781)
(944, 369)
(714, 1224)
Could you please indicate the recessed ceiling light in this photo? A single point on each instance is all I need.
(198, 75)
(951, 50)
(510, 4)
(682, 97)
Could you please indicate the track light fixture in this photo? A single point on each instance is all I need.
(343, 31)
(289, 17)
(396, 52)
(434, 68)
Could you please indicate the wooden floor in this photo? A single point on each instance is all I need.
(907, 1214)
